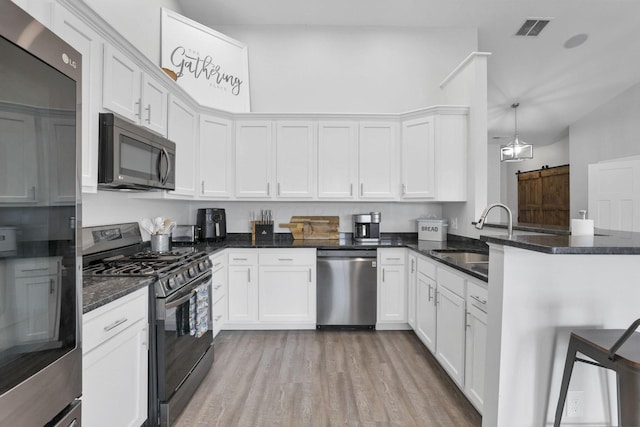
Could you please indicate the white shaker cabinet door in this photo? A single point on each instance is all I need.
(426, 311)
(287, 294)
(215, 155)
(86, 41)
(121, 84)
(377, 151)
(295, 160)
(182, 131)
(337, 164)
(451, 327)
(418, 158)
(254, 159)
(154, 105)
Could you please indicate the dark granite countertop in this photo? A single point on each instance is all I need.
(604, 242)
(98, 291)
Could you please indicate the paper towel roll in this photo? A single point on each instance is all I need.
(582, 227)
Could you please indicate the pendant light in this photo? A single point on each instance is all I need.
(516, 150)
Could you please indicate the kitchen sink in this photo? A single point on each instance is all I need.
(463, 257)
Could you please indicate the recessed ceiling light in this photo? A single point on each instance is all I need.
(575, 41)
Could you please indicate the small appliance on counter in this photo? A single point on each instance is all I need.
(185, 234)
(432, 229)
(212, 223)
(8, 245)
(366, 227)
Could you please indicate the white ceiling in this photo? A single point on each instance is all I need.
(554, 85)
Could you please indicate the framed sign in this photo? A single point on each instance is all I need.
(211, 67)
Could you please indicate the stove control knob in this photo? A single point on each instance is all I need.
(171, 282)
(179, 278)
(202, 266)
(191, 272)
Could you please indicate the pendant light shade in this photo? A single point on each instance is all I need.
(516, 150)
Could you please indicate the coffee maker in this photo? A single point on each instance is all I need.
(212, 224)
(366, 227)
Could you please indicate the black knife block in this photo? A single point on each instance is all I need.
(262, 233)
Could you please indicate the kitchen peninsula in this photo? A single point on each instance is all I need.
(540, 288)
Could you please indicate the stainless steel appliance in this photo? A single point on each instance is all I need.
(40, 274)
(131, 157)
(212, 223)
(366, 227)
(181, 353)
(346, 288)
(185, 234)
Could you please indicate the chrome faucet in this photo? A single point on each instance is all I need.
(483, 217)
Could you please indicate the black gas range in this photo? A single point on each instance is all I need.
(181, 343)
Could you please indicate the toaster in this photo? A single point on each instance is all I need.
(185, 234)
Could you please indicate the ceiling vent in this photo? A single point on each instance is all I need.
(532, 27)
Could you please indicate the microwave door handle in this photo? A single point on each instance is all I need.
(166, 175)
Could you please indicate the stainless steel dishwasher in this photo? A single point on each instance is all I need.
(346, 288)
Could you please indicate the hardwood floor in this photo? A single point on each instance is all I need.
(326, 378)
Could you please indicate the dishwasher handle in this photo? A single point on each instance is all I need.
(347, 253)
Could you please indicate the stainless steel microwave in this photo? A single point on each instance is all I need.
(131, 157)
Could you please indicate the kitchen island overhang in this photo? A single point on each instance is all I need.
(540, 288)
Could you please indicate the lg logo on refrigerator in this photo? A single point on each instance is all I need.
(70, 62)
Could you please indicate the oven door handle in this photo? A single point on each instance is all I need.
(180, 301)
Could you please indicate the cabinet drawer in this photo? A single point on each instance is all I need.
(243, 258)
(477, 296)
(392, 256)
(218, 287)
(35, 267)
(288, 258)
(426, 267)
(451, 281)
(218, 315)
(107, 321)
(217, 262)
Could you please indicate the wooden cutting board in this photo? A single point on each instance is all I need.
(314, 227)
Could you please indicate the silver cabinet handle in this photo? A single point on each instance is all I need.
(383, 274)
(240, 259)
(218, 317)
(217, 287)
(52, 287)
(412, 266)
(148, 110)
(393, 259)
(268, 188)
(202, 185)
(351, 189)
(33, 192)
(27, 270)
(285, 259)
(404, 189)
(249, 274)
(139, 107)
(430, 296)
(361, 189)
(437, 298)
(310, 280)
(115, 324)
(278, 189)
(477, 298)
(466, 319)
(217, 264)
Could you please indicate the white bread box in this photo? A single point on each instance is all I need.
(432, 229)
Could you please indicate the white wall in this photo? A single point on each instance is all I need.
(349, 69)
(138, 21)
(109, 207)
(611, 131)
(544, 155)
(469, 87)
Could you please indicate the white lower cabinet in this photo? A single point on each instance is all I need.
(412, 280)
(426, 303)
(476, 345)
(450, 324)
(451, 321)
(287, 282)
(271, 289)
(242, 286)
(392, 289)
(218, 291)
(115, 363)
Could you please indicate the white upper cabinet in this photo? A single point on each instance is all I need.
(418, 158)
(253, 159)
(377, 160)
(215, 155)
(182, 130)
(451, 156)
(86, 41)
(295, 160)
(129, 92)
(337, 164)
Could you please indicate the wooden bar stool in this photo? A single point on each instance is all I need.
(615, 349)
